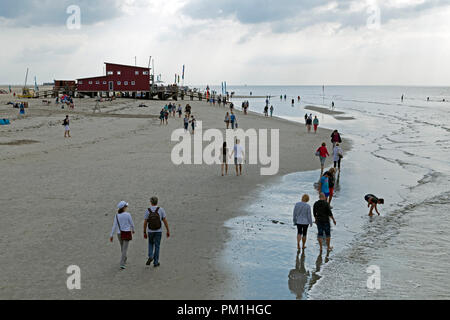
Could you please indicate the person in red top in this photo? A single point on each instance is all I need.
(322, 153)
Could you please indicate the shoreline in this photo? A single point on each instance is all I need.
(134, 151)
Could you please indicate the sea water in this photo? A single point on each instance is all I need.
(401, 152)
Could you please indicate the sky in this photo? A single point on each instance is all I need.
(253, 42)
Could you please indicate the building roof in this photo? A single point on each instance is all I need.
(98, 77)
(128, 66)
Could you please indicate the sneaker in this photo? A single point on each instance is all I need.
(123, 267)
(157, 265)
(149, 261)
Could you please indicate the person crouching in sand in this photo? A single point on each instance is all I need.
(303, 220)
(373, 202)
(124, 225)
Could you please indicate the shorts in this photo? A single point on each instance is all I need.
(324, 229)
(327, 194)
(302, 229)
(238, 161)
(67, 128)
(224, 159)
(322, 160)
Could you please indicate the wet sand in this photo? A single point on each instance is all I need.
(324, 110)
(59, 198)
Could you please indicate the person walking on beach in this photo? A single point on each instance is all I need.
(186, 123)
(180, 111)
(309, 123)
(166, 116)
(22, 109)
(306, 119)
(373, 202)
(66, 124)
(322, 153)
(316, 124)
(271, 111)
(224, 159)
(233, 120)
(335, 138)
(227, 120)
(161, 116)
(123, 223)
(331, 183)
(322, 215)
(324, 185)
(193, 123)
(153, 220)
(338, 155)
(266, 111)
(239, 154)
(303, 220)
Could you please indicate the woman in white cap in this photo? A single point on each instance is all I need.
(124, 225)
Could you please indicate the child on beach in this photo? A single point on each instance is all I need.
(271, 111)
(123, 223)
(373, 202)
(66, 123)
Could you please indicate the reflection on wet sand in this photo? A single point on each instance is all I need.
(301, 280)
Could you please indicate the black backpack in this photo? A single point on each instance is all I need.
(154, 220)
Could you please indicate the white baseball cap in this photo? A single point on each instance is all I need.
(122, 204)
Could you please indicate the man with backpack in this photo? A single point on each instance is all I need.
(154, 217)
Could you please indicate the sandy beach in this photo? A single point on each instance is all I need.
(59, 199)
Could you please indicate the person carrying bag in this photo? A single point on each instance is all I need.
(124, 225)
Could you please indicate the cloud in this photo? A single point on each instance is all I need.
(285, 16)
(30, 13)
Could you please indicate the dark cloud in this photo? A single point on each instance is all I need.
(28, 13)
(293, 15)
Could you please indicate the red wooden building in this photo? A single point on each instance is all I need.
(118, 78)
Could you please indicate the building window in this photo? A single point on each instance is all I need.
(104, 82)
(110, 73)
(125, 83)
(97, 82)
(119, 83)
(119, 73)
(136, 73)
(145, 73)
(80, 82)
(133, 83)
(90, 82)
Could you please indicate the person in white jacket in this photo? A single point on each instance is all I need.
(338, 154)
(123, 225)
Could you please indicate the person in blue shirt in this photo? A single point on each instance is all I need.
(324, 186)
(233, 120)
